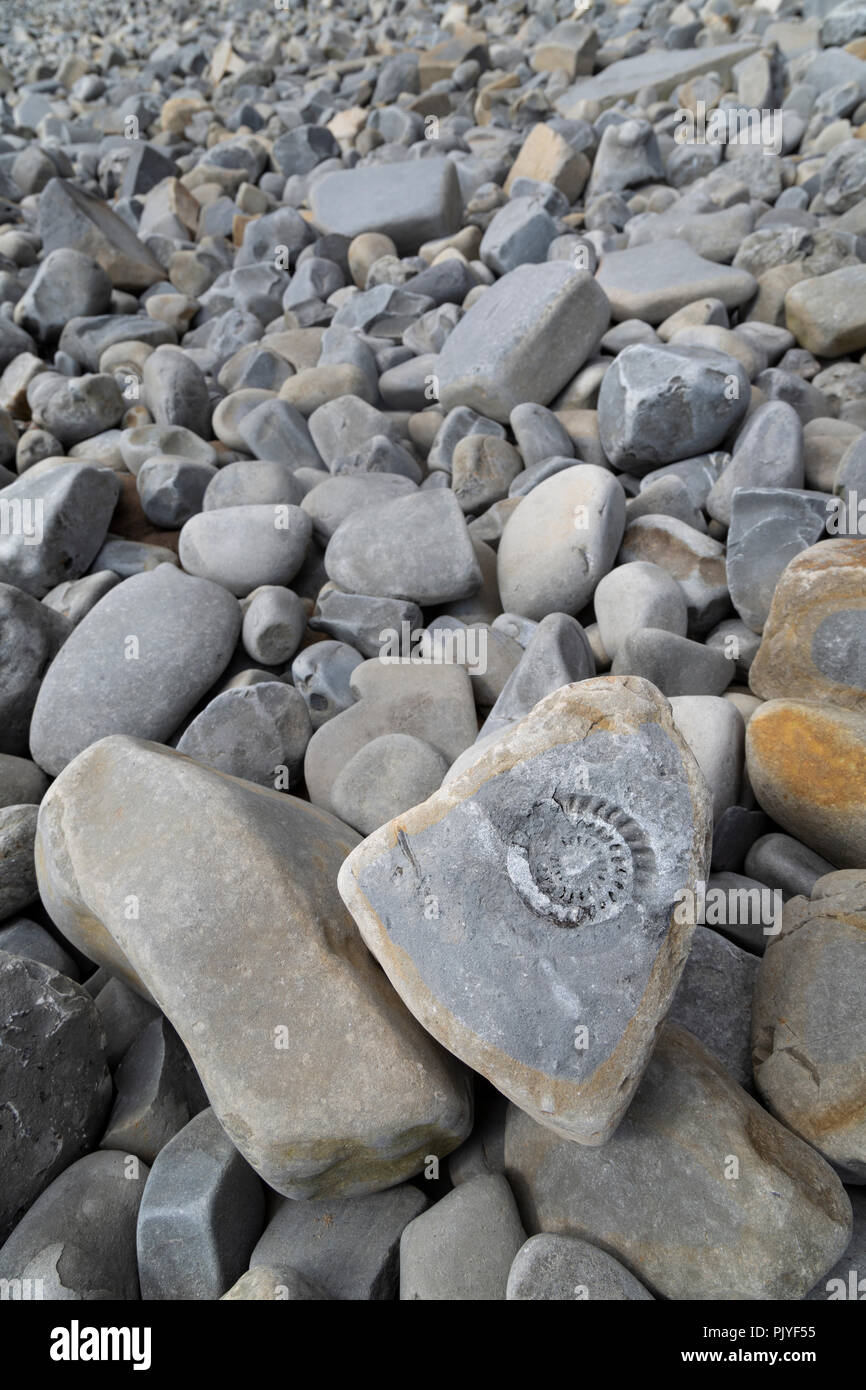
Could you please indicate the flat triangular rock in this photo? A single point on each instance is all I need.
(524, 911)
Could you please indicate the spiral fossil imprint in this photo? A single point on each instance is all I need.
(578, 859)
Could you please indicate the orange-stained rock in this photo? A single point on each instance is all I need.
(807, 766)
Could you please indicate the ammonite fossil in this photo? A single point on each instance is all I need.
(578, 859)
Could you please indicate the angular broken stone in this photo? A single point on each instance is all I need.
(70, 217)
(349, 1248)
(64, 517)
(769, 528)
(200, 1215)
(56, 1086)
(814, 639)
(557, 653)
(317, 1109)
(572, 833)
(695, 560)
(17, 873)
(663, 402)
(746, 1210)
(714, 1000)
(259, 732)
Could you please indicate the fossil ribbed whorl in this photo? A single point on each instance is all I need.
(578, 860)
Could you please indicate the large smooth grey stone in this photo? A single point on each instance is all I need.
(64, 518)
(77, 1241)
(349, 1248)
(652, 282)
(30, 637)
(239, 937)
(549, 857)
(523, 340)
(770, 1233)
(411, 202)
(659, 403)
(185, 630)
(463, 1247)
(202, 1210)
(56, 1086)
(242, 548)
(415, 547)
(560, 1268)
(675, 664)
(560, 541)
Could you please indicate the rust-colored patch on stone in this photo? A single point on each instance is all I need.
(811, 754)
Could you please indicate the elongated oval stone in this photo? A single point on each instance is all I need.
(219, 896)
(524, 911)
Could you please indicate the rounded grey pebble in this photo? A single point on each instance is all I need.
(386, 777)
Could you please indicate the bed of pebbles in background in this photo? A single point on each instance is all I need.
(324, 330)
